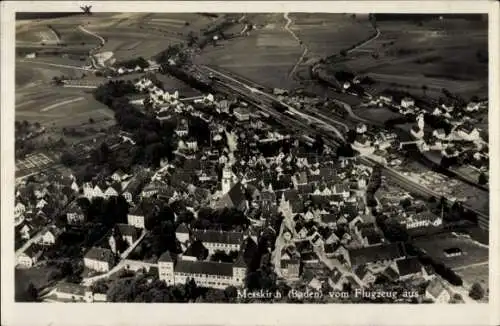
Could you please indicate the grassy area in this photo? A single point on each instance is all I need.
(379, 115)
(266, 56)
(39, 276)
(473, 274)
(437, 53)
(327, 34)
(436, 244)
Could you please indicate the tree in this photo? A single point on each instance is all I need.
(482, 179)
(32, 293)
(68, 159)
(424, 89)
(476, 292)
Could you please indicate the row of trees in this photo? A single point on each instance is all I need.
(132, 63)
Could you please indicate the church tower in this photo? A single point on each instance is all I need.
(166, 268)
(227, 179)
(284, 207)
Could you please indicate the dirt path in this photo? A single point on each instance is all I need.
(305, 49)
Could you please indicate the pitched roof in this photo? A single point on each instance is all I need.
(182, 228)
(204, 267)
(137, 211)
(330, 248)
(328, 218)
(213, 236)
(284, 263)
(237, 194)
(435, 287)
(409, 266)
(127, 230)
(335, 275)
(30, 252)
(196, 249)
(373, 254)
(165, 257)
(390, 273)
(361, 271)
(101, 254)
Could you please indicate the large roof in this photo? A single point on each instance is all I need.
(101, 254)
(204, 267)
(409, 266)
(213, 236)
(373, 254)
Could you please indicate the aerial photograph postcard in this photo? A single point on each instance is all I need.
(276, 157)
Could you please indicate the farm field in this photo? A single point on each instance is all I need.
(35, 74)
(50, 106)
(475, 273)
(327, 34)
(380, 115)
(437, 53)
(266, 56)
(435, 245)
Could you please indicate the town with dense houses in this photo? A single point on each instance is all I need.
(240, 193)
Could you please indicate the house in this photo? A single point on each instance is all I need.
(152, 188)
(235, 198)
(25, 231)
(364, 275)
(468, 132)
(75, 215)
(182, 129)
(219, 240)
(422, 220)
(19, 209)
(41, 203)
(119, 176)
(29, 257)
(133, 189)
(409, 268)
(99, 259)
(112, 191)
(127, 232)
(341, 189)
(136, 217)
(67, 292)
(205, 273)
(182, 233)
(290, 268)
(50, 235)
(407, 102)
(437, 292)
(472, 106)
(336, 279)
(241, 114)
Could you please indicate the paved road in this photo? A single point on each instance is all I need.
(91, 280)
(28, 243)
